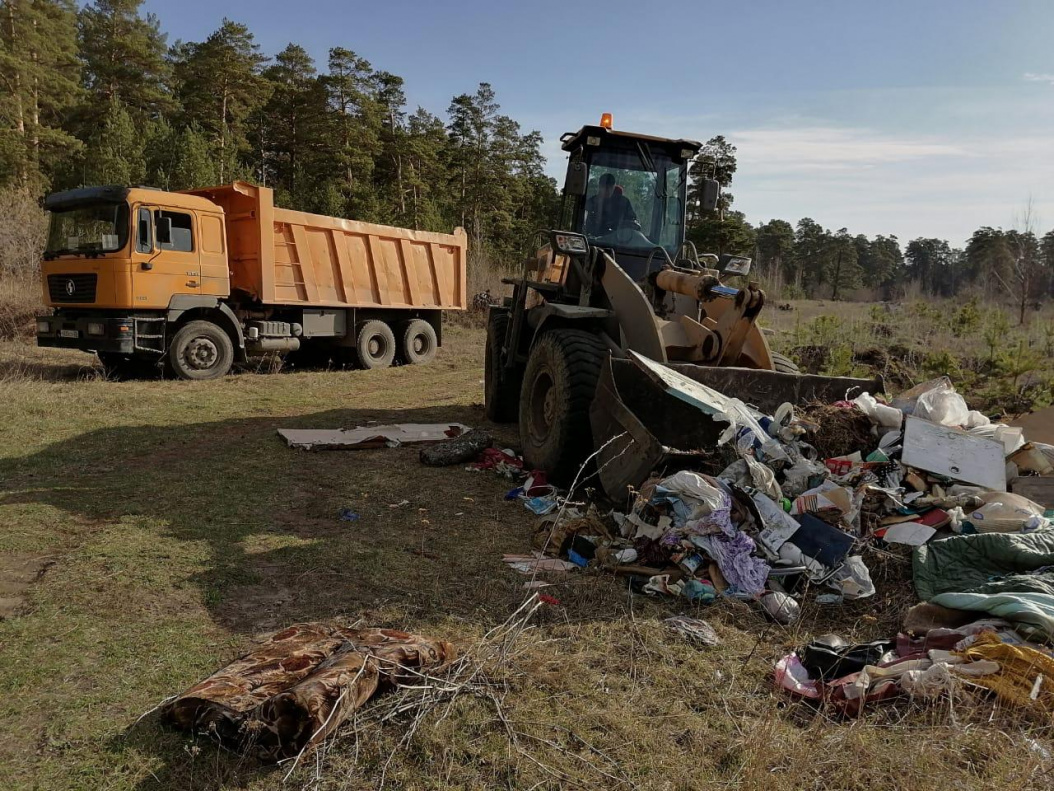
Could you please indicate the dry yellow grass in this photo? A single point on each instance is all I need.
(178, 528)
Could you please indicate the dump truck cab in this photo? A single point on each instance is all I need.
(118, 259)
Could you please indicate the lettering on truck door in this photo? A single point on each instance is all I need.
(168, 267)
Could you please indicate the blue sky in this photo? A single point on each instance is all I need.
(930, 117)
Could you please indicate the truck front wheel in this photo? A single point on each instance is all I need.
(200, 350)
(558, 388)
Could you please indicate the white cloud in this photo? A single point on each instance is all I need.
(826, 148)
(1033, 77)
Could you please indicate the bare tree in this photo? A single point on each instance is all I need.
(1026, 271)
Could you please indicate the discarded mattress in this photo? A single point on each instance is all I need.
(363, 437)
(300, 685)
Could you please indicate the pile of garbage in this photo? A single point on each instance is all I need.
(783, 521)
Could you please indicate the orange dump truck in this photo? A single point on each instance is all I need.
(202, 279)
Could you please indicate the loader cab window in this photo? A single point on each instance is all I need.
(634, 200)
(182, 239)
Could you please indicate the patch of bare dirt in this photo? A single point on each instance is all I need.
(17, 572)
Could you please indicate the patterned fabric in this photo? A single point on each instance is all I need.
(300, 685)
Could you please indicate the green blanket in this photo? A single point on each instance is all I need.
(990, 573)
(962, 563)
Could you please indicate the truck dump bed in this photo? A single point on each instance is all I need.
(285, 257)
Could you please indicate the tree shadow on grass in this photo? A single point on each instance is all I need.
(263, 521)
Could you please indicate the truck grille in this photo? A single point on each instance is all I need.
(72, 288)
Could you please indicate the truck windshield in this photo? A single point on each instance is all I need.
(100, 228)
(635, 200)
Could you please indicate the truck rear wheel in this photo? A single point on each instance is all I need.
(501, 386)
(375, 344)
(558, 388)
(200, 350)
(419, 342)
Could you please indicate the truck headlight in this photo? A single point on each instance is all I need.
(43, 327)
(96, 328)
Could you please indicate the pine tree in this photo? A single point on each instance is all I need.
(295, 117)
(124, 59)
(115, 151)
(39, 72)
(354, 117)
(219, 84)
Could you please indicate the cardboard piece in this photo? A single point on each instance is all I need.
(911, 533)
(363, 437)
(954, 454)
(1038, 490)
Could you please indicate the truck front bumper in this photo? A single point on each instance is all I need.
(87, 333)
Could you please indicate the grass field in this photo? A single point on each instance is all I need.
(152, 530)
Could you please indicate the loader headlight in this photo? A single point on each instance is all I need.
(734, 264)
(569, 243)
(96, 328)
(43, 327)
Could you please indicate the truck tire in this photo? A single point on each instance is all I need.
(419, 342)
(558, 387)
(501, 388)
(124, 367)
(375, 344)
(200, 350)
(784, 365)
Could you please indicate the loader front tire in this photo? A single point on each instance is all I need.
(558, 387)
(784, 365)
(501, 386)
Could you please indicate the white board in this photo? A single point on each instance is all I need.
(954, 453)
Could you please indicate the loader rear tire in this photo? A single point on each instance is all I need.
(558, 387)
(784, 365)
(501, 388)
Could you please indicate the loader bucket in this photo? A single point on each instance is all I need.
(666, 423)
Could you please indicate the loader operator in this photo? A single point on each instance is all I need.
(609, 210)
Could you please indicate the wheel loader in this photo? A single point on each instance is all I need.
(620, 280)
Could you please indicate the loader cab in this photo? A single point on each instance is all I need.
(627, 193)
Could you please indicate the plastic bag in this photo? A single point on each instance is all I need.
(942, 405)
(880, 414)
(1004, 512)
(695, 486)
(852, 579)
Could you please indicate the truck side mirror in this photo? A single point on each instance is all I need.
(577, 178)
(164, 230)
(711, 195)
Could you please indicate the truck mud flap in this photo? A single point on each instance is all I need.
(641, 423)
